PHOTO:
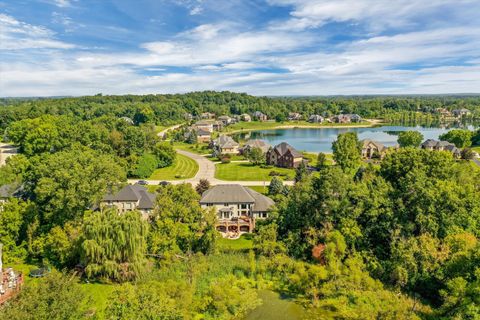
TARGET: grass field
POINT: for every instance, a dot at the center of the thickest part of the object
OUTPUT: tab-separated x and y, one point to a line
260	189
201	148
477	149
257	125
183	168
243	243
241	171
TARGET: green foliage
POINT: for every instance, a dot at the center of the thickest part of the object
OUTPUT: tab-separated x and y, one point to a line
265	241
57	297
62	247
275	187
165	154
202	186
460	138
114	245
301	172
321	161
255	156
410	139
146	165
347	151
12	215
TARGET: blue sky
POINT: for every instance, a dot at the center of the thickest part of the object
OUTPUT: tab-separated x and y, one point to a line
269	47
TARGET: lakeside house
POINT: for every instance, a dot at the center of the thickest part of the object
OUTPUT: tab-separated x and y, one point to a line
245	117
372	149
461	112
436	145
346	118
443	112
237	207
204	125
226	120
294	116
284	155
316	118
129	198
255	143
225	145
260	116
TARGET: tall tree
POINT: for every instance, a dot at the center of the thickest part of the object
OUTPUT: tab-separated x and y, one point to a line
255	156
347	151
202	186
410	139
460	138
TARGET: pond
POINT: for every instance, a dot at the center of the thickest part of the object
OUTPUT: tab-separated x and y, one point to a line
276	307
320	139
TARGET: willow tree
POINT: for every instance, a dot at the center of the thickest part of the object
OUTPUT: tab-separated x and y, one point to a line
114	245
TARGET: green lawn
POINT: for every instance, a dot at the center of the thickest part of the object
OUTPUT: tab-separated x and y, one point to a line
312	158
201	148
242	171
260	189
257	125
243	243
97	297
477	149
183	168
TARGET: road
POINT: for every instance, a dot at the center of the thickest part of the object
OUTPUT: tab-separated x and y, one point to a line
6	151
163	132
206	170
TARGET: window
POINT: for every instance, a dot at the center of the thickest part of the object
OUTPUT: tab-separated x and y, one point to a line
244	206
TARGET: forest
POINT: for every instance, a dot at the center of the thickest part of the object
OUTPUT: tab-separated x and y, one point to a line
398	239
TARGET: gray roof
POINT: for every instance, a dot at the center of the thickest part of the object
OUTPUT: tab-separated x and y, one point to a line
235	193
378	145
201	132
226	142
283	147
431	143
256	143
134	193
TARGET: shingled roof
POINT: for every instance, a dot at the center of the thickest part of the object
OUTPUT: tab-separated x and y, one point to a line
283	147
235	193
225	141
256	143
134	193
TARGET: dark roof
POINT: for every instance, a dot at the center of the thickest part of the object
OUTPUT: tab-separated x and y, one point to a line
283	147
235	193
134	193
262	203
256	143
201	132
226	142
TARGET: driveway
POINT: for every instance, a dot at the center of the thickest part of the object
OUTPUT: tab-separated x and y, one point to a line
6	151
206	170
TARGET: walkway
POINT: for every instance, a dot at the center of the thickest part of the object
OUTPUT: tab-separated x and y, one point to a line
206	170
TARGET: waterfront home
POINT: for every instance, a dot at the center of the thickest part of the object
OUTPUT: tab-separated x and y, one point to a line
259	116
225	145
284	155
372	149
255	143
436	145
461	112
346	118
294	116
443	112
237	207
245	117
315	118
226	120
129	198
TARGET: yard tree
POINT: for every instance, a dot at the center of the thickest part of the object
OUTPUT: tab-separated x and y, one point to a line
321	160
410	139
147	164
202	186
347	151
165	154
255	156
467	154
301	172
114	245
460	138
275	187
65	184
12	215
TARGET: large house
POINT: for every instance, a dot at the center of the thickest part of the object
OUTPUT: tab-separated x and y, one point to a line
226	120
204	125
245	117
259	116
294	116
461	112
207	115
203	136
237	207
436	145
129	198
316	118
284	155
225	144
255	143
346	118
372	149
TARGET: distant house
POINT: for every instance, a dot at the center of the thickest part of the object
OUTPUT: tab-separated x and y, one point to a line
461	112
207	115
237	207
346	118
226	120
443	112
259	116
255	143
188	116
203	136
436	145
225	145
217	125
129	198
245	117
294	116
315	118
372	149
284	155
204	125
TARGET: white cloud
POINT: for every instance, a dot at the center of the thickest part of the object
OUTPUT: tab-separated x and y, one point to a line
16	35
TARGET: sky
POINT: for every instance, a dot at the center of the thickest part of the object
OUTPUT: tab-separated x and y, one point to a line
261	47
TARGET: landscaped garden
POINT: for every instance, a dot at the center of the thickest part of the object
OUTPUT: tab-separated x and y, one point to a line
182	168
242	171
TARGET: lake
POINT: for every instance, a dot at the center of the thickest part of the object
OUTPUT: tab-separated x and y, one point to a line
320	139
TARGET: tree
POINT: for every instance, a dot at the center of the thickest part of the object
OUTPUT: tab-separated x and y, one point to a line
165	154
58	297
265	241
321	160
301	172
255	155
147	164
192	137
114	245
467	154
347	151
12	215
410	139
202	186
460	138
275	187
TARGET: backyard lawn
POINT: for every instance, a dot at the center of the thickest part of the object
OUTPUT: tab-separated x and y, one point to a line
183	168
201	148
242	171
241	244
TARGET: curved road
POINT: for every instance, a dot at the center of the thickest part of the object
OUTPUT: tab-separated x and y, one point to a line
206	170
